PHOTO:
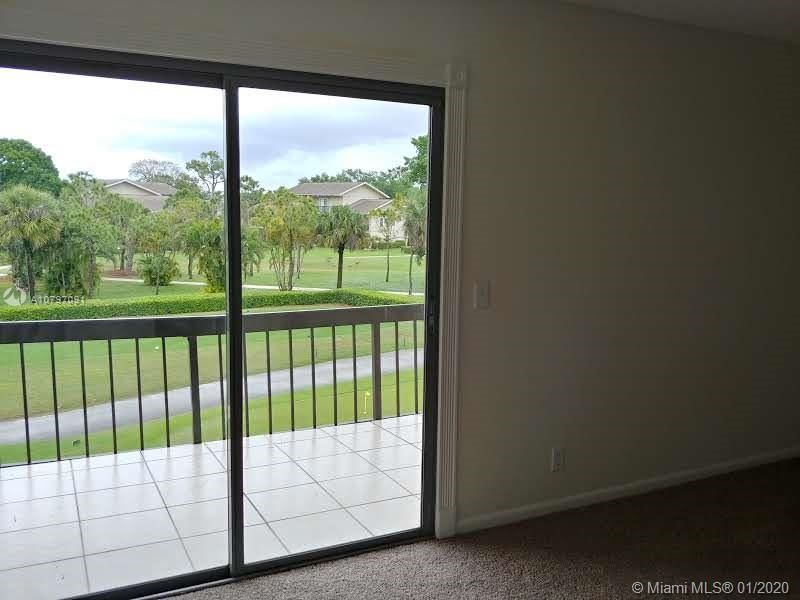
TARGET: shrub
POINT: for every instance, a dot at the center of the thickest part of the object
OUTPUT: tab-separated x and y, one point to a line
158	270
193	303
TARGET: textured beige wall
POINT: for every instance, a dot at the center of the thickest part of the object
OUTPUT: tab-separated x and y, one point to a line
632	191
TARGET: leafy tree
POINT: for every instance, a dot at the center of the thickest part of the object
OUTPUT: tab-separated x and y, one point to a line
23	163
156	171
190	211
415	216
389	216
416	167
72	259
209	170
211	257
250	193
342	228
253	251
28	223
289	223
156	239
122	214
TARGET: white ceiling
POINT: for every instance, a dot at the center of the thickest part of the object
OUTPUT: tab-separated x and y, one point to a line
778	19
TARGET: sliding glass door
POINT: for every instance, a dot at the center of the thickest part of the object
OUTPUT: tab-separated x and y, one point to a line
218	330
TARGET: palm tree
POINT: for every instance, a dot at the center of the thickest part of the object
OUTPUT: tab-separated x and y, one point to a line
415	217
27	223
341	227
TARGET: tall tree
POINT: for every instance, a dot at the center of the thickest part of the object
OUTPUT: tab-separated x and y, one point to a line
342	228
388	219
23	163
416	167
415	217
288	222
28	222
122	214
210	172
156	171
250	193
211	257
156	238
190	212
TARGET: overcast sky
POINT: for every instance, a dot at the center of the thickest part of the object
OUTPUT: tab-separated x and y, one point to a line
103	125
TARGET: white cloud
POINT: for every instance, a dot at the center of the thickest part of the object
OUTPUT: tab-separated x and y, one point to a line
102	125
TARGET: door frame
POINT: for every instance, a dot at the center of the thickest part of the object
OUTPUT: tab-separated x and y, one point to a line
447	124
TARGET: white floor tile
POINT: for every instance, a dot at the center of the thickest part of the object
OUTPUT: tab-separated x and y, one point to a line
394	457
174	451
41	486
349	428
118	501
109	477
313	448
194	489
254	441
319	531
46	468
294	436
393	423
207	517
40	545
37	513
292	502
367	440
259	479
185	466
361	489
334	467
410	433
409	477
389	516
106	460
257	456
136	565
211	550
123	531
50	581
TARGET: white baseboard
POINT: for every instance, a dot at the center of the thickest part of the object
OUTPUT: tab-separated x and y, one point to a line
641	486
445	522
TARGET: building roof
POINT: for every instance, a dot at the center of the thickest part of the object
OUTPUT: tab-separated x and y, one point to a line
366	205
331	188
156	188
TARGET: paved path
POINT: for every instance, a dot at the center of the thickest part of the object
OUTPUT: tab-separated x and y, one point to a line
127	410
253	286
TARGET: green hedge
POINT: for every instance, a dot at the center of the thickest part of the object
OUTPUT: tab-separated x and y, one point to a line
194	303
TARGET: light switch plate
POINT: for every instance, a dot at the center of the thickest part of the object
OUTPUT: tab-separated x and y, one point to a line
481	299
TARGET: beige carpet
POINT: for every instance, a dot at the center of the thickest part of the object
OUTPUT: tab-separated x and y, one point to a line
742	526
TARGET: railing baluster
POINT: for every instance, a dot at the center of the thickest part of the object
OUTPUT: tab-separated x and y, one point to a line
55	398
355	379
194	390
313	384
113	405
269	385
83	397
221	389
139	394
397	365
25	401
335	387
246	388
377	408
291	378
166	389
416	375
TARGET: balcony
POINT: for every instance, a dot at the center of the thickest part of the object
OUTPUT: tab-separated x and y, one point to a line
331	453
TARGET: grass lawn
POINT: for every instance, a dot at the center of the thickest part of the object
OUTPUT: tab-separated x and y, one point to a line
363	269
181	426
68	376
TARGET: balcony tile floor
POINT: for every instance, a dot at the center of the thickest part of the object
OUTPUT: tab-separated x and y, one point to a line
85	525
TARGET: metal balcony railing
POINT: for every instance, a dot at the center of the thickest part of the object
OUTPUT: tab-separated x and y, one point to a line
191	328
